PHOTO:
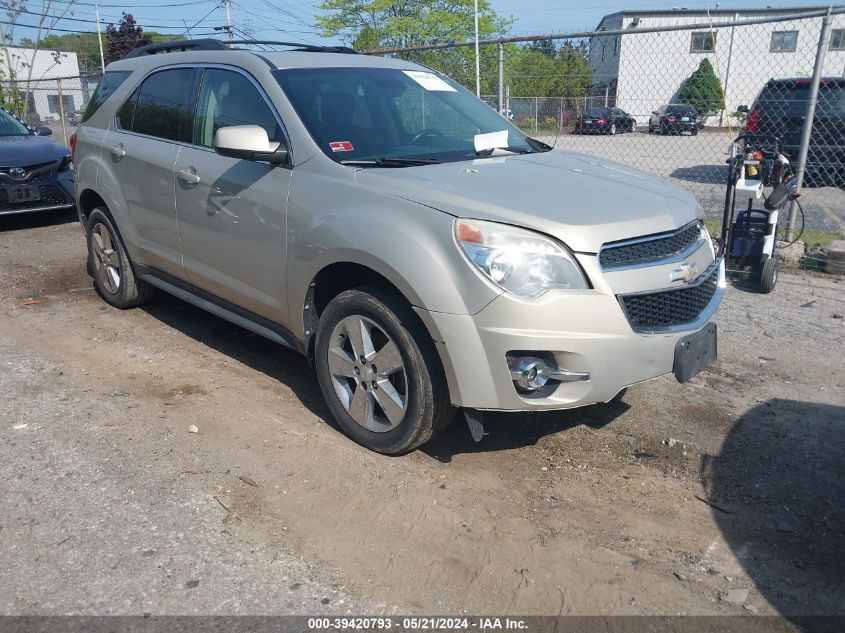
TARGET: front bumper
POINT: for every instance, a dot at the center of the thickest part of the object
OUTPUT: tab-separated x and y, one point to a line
56	194
585	330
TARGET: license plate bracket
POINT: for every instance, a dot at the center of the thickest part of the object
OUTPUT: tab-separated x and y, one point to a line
23	193
695	352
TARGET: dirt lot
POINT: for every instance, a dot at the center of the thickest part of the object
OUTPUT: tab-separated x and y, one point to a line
663	503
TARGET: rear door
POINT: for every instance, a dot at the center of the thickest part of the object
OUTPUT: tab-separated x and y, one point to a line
232	212
142	148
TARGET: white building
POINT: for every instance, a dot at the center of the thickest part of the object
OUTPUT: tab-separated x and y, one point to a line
642	71
53	73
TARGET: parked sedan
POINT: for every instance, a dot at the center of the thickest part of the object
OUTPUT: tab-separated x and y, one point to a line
605	121
675	118
36	173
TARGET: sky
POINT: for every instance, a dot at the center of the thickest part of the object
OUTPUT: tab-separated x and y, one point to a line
294	20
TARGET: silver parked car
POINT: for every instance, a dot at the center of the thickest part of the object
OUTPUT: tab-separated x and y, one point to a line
418	248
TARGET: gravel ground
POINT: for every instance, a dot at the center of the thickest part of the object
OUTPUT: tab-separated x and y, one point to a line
720	496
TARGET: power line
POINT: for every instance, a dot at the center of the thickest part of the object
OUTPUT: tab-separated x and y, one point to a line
94	21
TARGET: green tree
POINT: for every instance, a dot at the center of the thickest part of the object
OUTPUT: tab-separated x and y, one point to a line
374	24
533	73
703	90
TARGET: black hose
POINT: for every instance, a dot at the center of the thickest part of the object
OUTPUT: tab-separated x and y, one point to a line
801	232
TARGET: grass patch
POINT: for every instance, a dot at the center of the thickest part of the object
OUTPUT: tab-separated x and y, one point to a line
811	237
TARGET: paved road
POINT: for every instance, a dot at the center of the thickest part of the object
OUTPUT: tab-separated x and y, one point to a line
697	163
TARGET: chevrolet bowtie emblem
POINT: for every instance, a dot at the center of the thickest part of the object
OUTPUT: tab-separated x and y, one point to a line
686	273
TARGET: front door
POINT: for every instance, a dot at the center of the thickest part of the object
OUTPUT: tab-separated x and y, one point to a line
232	212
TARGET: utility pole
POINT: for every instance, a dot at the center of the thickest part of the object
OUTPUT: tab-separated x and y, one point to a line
477	61
100	40
228	5
809	116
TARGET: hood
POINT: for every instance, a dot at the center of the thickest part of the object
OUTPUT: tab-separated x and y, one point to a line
582	200
19	151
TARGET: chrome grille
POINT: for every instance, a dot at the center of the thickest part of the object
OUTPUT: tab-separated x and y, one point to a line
650	249
672	307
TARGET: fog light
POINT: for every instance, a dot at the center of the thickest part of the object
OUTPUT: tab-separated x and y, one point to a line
532	373
529	373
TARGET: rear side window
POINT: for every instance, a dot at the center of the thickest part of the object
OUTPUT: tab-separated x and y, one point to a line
162	106
107	85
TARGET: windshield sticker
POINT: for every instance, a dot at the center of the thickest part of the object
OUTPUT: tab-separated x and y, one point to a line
429	81
341	146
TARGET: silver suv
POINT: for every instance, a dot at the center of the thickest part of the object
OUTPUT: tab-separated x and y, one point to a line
417	248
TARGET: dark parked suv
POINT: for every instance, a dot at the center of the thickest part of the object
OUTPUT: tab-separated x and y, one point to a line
780	110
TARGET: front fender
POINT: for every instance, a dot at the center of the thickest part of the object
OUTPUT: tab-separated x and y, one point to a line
411	245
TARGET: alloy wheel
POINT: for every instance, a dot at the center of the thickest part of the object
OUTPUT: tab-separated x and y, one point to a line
368	374
107	264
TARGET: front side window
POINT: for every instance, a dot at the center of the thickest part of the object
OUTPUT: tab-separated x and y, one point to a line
373	113
228	98
837	40
784	41
162	106
10	125
703	42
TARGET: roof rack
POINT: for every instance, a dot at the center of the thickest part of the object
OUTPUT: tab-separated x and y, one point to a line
178	45
220	45
298	46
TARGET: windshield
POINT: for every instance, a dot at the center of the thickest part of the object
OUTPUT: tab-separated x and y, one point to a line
10	126
361	114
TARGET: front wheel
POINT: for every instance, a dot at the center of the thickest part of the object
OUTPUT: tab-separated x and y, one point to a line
379	372
769	275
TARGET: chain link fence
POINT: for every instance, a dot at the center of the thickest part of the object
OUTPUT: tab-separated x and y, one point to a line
668	91
56	103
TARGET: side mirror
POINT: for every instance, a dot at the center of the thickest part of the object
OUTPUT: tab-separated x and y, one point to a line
655	112
742	108
249	142
43	130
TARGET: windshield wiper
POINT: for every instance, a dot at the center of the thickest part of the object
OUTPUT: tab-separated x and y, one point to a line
512	150
399	161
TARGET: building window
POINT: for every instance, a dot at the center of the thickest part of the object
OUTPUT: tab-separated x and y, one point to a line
703	42
837	40
616	46
67	104
784	41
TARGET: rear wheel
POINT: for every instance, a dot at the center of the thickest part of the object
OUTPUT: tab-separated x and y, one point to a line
633	126
379	372
663	129
769	275
612	129
114	276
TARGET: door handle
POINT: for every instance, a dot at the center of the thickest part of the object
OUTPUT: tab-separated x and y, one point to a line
188	175
117	150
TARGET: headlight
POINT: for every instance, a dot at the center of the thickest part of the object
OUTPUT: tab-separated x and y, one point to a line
518	260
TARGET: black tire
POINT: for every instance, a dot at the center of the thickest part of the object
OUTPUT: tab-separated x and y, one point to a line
128	291
663	129
695	132
428	408
612	130
769	275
